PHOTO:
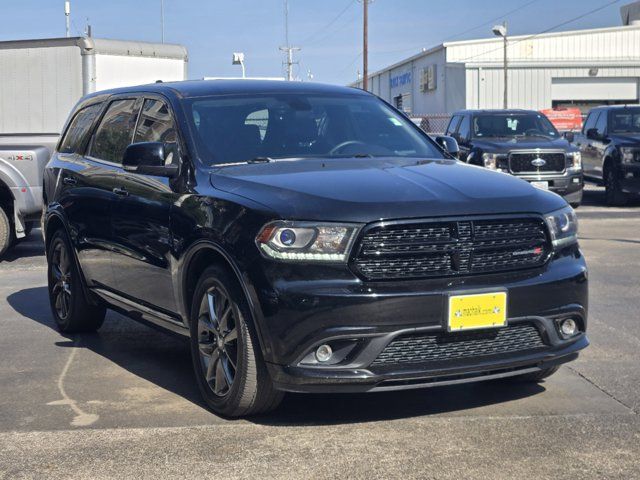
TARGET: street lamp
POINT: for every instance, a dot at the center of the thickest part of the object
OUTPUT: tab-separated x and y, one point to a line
501	31
238	59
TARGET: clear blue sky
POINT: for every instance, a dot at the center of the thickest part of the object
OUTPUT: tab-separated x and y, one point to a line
213	29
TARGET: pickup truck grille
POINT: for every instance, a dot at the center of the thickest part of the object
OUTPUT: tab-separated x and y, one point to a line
435	347
451	248
525	162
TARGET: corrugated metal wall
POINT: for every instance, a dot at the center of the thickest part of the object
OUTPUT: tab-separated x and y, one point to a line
39	86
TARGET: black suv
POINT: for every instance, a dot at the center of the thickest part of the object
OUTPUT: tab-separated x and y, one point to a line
610	147
306	238
523	143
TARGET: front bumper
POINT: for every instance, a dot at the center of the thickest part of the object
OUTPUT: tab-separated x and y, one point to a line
568	184
299	315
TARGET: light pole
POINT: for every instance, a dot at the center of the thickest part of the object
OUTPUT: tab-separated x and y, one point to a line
501	31
238	59
67	13
365	43
162	19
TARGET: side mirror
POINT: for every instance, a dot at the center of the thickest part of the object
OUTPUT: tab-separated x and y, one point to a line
449	145
148	158
569	136
593	134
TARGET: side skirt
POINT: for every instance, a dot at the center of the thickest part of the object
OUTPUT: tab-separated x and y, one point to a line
142	313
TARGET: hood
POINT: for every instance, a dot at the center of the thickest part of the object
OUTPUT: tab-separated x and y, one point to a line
506	144
365	190
626	139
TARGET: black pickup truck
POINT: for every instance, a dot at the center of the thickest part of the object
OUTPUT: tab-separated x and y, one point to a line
610	147
523	143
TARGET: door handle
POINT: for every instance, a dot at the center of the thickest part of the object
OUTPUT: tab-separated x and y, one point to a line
69	181
121	191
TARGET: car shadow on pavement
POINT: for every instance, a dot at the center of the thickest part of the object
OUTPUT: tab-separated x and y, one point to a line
165	361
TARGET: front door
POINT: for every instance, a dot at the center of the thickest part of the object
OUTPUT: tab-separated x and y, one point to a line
142	261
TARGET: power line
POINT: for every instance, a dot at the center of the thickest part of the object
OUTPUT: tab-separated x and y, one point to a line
324	29
490	22
566	22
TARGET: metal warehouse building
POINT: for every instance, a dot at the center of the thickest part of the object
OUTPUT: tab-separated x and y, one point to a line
581	68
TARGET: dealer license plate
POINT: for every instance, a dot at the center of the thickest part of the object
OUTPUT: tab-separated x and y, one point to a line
541	185
475	311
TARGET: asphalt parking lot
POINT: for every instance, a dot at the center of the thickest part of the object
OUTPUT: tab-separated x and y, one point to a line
123	403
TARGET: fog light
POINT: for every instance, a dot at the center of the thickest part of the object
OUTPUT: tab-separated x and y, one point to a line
569	327
323	353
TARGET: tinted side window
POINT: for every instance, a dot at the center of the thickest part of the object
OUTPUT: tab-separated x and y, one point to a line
601	125
453	124
465	128
156	123
79	128
115	131
590	122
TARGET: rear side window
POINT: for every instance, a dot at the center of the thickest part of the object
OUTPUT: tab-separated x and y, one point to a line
115	132
590	122
79	128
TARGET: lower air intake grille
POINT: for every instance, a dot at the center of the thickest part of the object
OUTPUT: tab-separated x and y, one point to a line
424	348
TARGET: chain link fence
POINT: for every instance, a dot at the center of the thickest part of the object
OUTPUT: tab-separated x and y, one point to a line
435	123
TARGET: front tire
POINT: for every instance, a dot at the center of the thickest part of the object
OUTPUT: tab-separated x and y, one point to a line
227	360
613	190
71	310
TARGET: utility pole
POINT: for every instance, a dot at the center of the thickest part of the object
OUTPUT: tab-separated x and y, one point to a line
162	18
365	43
501	31
67	13
288	49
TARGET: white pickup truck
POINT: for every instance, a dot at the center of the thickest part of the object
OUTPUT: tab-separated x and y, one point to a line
40	82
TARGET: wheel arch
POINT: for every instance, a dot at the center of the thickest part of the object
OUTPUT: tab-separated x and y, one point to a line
202	255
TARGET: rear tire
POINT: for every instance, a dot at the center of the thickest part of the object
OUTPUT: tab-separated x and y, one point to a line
613	190
535	377
7	234
228	364
71	310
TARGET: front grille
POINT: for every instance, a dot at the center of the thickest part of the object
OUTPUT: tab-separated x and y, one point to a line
525	162
425	348
447	248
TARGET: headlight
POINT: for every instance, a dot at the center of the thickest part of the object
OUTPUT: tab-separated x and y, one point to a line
490	160
574	160
306	241
629	155
563	227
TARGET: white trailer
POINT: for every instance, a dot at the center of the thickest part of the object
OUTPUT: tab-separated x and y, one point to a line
40	81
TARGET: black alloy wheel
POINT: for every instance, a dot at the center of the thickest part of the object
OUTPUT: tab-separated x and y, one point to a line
218	340
71	310
230	370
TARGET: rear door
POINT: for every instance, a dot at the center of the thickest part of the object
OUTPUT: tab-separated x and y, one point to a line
85	195
140	221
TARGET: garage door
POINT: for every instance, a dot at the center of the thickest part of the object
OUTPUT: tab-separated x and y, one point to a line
625	89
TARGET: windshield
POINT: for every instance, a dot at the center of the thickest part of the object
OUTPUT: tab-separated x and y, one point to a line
232	129
625	121
513	125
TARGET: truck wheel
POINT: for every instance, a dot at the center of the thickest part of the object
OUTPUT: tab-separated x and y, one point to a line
230	371
613	190
7	234
535	377
71	310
